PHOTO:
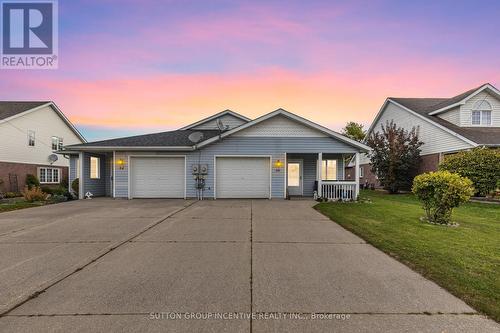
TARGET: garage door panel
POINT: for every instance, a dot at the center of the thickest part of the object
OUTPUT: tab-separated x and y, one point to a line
157	177
243	177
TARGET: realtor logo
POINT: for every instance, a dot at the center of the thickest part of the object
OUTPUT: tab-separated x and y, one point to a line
29	34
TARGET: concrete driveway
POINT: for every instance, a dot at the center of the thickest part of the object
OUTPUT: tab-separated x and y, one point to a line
175	265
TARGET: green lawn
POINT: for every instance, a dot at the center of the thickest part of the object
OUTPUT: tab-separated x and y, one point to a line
18	204
464	260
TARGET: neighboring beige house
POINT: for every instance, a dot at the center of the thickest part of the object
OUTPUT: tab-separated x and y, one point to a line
446	125
30	134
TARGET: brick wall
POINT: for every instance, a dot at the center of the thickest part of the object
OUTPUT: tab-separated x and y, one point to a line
21	170
427	163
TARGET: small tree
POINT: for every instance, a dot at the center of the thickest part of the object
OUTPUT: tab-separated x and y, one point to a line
32	181
395	156
440	192
481	165
354	131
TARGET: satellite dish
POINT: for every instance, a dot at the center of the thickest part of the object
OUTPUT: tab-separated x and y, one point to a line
195	137
221	126
53	158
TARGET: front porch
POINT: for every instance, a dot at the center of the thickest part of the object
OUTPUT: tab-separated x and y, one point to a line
321	175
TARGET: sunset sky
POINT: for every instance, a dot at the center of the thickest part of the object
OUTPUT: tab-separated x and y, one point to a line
128	67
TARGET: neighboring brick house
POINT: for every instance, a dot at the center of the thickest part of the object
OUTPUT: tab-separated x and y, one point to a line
30	134
446	125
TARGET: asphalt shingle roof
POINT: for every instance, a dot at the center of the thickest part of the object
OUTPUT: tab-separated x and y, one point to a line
424	106
163	139
9	109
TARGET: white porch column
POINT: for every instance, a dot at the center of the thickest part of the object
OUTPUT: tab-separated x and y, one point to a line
356	174
320	163
80	175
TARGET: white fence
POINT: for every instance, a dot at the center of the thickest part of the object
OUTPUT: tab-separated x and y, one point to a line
338	190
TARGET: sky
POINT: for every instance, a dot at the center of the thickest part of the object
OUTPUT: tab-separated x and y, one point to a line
129	67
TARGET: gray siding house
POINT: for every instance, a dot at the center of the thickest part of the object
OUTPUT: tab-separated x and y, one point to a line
223	156
446	125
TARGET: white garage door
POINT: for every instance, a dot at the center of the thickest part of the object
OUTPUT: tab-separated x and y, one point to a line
243	177
157	177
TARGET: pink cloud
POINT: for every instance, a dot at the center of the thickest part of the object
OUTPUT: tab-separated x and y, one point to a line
173	100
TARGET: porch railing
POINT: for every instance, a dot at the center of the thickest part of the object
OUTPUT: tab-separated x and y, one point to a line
338	190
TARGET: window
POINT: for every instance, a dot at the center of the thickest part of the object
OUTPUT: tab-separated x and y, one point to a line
57	143
95	164
31	138
49	175
329	170
476	117
361	172
481	113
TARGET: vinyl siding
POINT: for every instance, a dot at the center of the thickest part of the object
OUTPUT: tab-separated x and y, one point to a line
453	116
435	139
280	126
268	146
96	186
226	119
466	109
46	123
73	160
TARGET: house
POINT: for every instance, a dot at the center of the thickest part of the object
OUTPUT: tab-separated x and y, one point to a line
446	125
30	134
226	155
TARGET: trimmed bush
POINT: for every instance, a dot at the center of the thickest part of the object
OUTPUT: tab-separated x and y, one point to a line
59	190
34	194
31	181
440	192
481	165
75	186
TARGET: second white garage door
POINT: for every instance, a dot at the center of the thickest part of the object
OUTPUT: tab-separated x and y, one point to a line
157	177
243	177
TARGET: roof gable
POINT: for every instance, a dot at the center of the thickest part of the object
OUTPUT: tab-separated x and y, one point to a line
228	117
10	110
280	126
293	117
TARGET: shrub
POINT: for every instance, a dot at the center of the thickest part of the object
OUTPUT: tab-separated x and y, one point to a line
34	194
32	180
59	190
395	156
64	183
75	185
440	192
481	165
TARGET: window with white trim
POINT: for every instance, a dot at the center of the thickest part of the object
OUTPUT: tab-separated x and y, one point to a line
31	138
49	175
481	113
95	167
57	143
361	172
329	170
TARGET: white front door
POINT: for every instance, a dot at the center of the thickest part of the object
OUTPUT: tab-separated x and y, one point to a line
294	173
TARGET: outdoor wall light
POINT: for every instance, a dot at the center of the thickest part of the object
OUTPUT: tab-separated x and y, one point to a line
121	163
278	164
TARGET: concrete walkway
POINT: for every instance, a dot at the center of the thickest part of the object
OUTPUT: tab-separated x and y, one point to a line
174	265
